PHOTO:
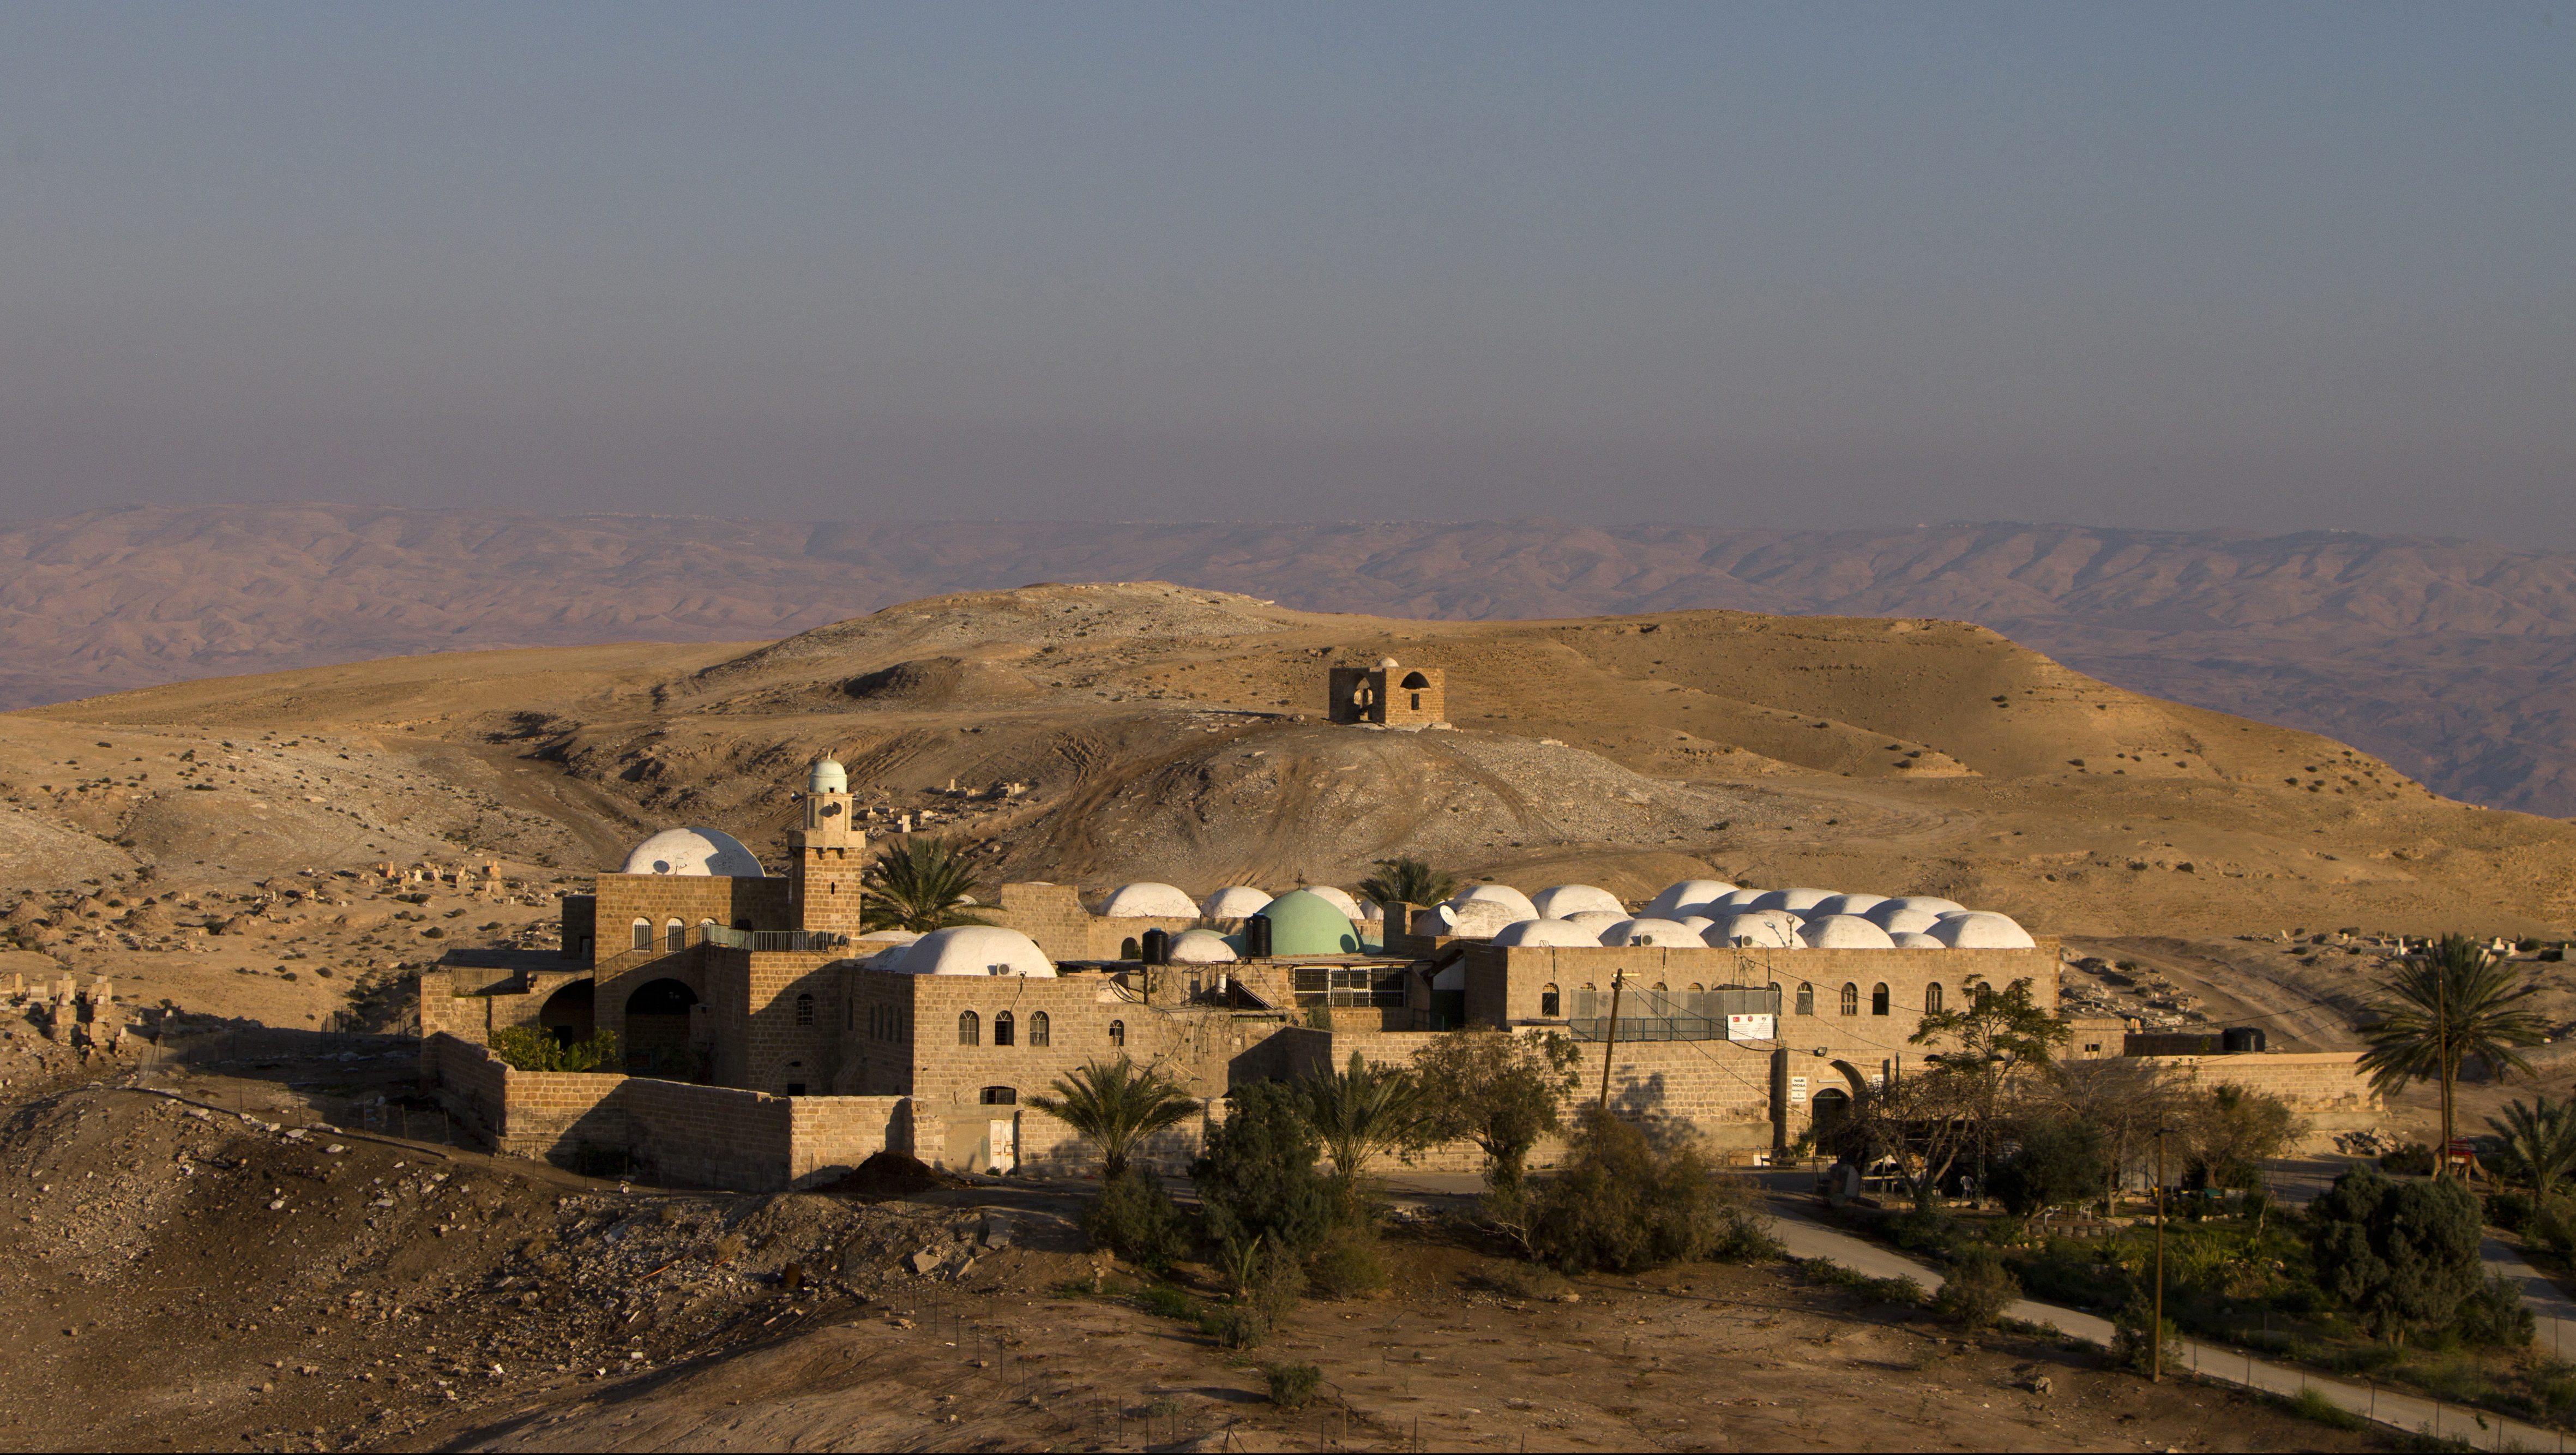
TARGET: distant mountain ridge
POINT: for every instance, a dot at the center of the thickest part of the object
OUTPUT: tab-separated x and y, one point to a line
2454	659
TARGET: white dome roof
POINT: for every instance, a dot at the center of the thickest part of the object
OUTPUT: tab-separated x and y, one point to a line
1798	901
1596	920
1561	934
975	950
1737	901
1860	904
1980	931
890	937
1480	917
1650	930
1148	901
1766	928
1843	932
1340	900
1372	911
1235	902
1695	922
1931	903
1502	894
1560	901
1915	940
1688	894
828	776
1202	947
698	851
1902	921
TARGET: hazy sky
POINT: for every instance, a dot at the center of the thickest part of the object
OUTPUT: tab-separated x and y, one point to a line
2268	266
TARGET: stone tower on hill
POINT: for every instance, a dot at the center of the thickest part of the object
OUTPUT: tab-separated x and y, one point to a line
1389	695
830	854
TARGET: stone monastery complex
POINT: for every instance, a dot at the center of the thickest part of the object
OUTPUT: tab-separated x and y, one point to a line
770	1040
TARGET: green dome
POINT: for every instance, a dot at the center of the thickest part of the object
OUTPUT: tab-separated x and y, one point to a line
1307	924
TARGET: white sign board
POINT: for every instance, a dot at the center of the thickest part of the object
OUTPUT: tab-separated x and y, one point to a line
1797	1088
1752	1027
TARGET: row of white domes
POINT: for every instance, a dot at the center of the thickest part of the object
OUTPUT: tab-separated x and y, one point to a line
1164	901
1712	912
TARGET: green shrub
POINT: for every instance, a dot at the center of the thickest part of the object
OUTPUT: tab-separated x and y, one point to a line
2403	1255
1978	1290
2312	1404
1902	1291
1347	1266
1624	1204
533	1048
2412	1160
1267	1284
1167	1302
2495	1315
2507	1210
1257	1179
1136	1219
1292	1386
2134	1335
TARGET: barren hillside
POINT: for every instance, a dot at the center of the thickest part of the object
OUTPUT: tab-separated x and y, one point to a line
2455	660
1160	731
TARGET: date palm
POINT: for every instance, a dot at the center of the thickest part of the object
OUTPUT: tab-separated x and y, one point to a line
1361	1113
2542	1139
919	884
2456	1004
1114	1106
1408	881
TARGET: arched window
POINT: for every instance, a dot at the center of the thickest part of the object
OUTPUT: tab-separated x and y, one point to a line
970	1031
1002	1028
804	1010
1041	1032
1932	999
643	934
796	1087
1981	992
674	935
1001	1096
1118	1033
1548	1002
1130	949
1851	998
1878	999
1806	998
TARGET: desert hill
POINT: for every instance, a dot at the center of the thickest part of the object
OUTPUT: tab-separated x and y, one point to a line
1095	733
2455	660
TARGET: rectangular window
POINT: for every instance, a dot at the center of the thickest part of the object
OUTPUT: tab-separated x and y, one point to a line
1346	985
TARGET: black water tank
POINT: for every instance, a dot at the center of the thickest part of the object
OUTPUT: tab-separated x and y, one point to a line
1256	937
2236	1040
1156	947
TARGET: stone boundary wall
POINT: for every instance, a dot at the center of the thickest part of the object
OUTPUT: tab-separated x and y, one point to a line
2326	1088
677	1132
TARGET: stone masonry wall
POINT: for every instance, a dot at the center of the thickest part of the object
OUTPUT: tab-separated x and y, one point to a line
658	899
2327	1089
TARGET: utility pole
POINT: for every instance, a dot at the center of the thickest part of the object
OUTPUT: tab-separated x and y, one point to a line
2156	1335
1610	1042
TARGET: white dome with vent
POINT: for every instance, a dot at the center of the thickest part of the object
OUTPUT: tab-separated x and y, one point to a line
1235	902
1148	901
1564	901
976	950
1930	904
1843	932
1689	894
694	851
1977	930
1202	947
1497	894
1555	933
1340	900
1860	904
1761	928
1650	930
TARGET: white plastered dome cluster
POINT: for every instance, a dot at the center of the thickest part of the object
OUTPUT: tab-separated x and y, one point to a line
1713	912
975	950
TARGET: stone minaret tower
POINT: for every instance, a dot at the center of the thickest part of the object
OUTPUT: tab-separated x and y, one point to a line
823	882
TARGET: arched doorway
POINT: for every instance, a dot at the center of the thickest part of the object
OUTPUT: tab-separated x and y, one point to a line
1830	1110
567	1014
657	1029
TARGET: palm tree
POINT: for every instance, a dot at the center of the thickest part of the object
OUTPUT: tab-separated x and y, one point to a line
2542	1139
919	885
1360	1113
1408	881
1116	1106
2456	1004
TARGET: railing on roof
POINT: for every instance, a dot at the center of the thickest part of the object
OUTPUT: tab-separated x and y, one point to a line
1727	1013
775	940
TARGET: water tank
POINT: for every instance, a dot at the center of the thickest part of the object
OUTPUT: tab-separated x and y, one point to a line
1256	937
2236	1040
1155	948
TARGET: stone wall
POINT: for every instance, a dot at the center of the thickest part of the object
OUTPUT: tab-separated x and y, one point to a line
765	1039
692	899
2327	1089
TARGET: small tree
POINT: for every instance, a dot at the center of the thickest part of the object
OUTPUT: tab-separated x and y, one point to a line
918	884
1257	1180
2456	1004
1625	1204
1115	1106
1362	1113
2060	1160
2401	1254
1408	881
2126	1097
1501	1090
2231	1132
1992	1037
1978	1290
2539	1143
